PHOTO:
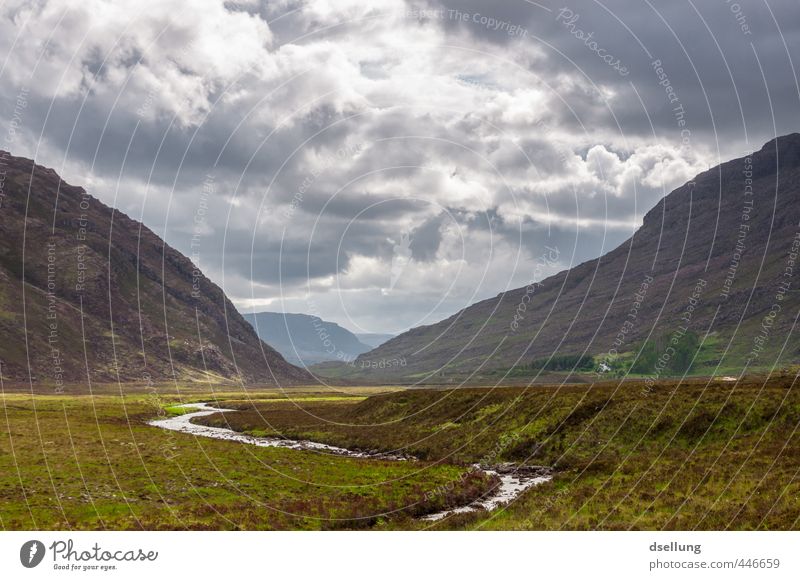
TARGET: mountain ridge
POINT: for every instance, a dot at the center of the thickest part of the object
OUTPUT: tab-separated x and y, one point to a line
690	234
86	292
306	339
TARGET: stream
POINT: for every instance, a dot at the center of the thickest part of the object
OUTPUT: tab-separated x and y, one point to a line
514	480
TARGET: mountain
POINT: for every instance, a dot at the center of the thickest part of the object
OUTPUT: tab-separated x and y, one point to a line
374	340
306	340
714	259
86	291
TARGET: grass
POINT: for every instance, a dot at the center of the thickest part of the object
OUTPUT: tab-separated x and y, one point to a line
178	410
92	462
690	455
697	454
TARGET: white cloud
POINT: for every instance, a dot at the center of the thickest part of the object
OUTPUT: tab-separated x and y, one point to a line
151	53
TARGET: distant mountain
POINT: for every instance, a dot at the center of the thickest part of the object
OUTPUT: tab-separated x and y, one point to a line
374	340
717	258
306	340
88	293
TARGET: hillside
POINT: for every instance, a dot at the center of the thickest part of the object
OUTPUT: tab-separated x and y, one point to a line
715	257
374	340
86	291
306	340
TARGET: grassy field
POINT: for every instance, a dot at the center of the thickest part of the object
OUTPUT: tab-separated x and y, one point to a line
91	462
699	455
672	456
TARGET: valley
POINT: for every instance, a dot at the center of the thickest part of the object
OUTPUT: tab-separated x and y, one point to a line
647	389
93	462
680	455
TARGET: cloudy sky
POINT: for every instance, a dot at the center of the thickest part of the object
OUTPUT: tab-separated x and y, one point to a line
384	164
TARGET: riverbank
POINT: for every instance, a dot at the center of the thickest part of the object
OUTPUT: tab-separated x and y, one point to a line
509	481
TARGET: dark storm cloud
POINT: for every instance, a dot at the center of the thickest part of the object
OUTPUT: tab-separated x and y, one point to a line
426	239
309	249
712	52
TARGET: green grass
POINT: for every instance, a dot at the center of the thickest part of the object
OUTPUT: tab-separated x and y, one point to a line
679	456
707	455
92	462
177	410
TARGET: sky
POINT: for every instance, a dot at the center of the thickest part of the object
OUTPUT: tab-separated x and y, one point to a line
386	164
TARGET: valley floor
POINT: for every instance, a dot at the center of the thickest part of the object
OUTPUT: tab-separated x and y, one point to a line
718	455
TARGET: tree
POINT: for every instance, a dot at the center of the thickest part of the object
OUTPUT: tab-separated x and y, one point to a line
686	347
645	362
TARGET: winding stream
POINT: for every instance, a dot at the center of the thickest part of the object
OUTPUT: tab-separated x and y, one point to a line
513	480
183	424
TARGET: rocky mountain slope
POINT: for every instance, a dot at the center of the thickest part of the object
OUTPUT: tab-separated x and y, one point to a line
87	292
716	257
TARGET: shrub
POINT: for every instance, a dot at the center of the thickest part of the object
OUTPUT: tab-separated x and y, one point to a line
566	362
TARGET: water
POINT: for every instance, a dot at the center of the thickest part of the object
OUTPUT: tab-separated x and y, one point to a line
511	486
513	481
183	424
